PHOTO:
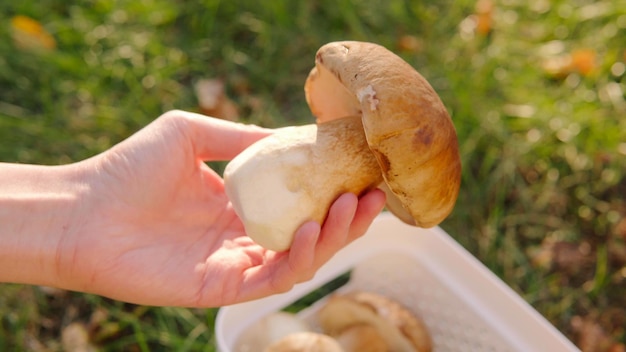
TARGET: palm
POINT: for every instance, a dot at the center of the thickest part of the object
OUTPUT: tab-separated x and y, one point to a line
169	235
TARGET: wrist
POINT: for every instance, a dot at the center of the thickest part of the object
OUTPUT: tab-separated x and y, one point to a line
40	213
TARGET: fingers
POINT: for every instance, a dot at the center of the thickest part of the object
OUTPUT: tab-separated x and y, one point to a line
336	228
302	252
314	245
370	205
299	263
348	219
215	139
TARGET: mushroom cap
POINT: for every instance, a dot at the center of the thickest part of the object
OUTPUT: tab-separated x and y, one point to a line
401	330
406	124
305	342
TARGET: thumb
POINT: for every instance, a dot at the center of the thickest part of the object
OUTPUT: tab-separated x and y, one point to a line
215	139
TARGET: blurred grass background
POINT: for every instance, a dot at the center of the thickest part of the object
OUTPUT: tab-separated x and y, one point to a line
536	90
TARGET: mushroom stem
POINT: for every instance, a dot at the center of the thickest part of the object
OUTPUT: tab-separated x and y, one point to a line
294	175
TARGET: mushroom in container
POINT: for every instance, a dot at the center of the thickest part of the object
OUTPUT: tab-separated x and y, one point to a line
371	319
379	124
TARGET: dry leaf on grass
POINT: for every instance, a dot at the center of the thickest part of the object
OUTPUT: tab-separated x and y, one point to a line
75	338
410	43
566	256
620	229
213	101
591	337
29	34
484	16
581	61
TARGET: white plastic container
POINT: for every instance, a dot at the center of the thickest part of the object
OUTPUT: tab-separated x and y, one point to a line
464	305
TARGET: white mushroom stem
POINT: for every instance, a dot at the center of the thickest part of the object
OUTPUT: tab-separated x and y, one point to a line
294	175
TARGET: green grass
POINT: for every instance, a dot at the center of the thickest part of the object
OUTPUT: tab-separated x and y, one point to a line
542	202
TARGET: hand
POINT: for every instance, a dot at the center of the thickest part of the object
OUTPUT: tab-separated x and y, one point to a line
158	229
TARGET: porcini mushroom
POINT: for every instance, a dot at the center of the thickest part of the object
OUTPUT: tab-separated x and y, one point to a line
401	330
377	119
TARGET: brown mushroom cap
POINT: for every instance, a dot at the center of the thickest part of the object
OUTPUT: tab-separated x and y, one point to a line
401	330
407	126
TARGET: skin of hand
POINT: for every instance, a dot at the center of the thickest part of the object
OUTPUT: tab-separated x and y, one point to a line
148	222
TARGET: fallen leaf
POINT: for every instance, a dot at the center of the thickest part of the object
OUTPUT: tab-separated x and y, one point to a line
581	61
584	61
75	338
617	251
620	229
591	337
213	101
618	347
557	66
484	16
29	34
565	256
53	291
100	327
410	43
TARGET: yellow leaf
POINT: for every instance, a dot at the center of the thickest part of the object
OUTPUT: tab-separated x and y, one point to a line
29	34
484	16
584	61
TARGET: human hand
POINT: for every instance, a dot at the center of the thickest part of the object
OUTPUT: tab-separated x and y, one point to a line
158	228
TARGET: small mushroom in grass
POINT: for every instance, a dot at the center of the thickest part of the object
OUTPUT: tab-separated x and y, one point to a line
402	135
401	330
305	342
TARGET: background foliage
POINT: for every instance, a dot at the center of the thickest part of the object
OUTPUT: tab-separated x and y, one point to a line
535	88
